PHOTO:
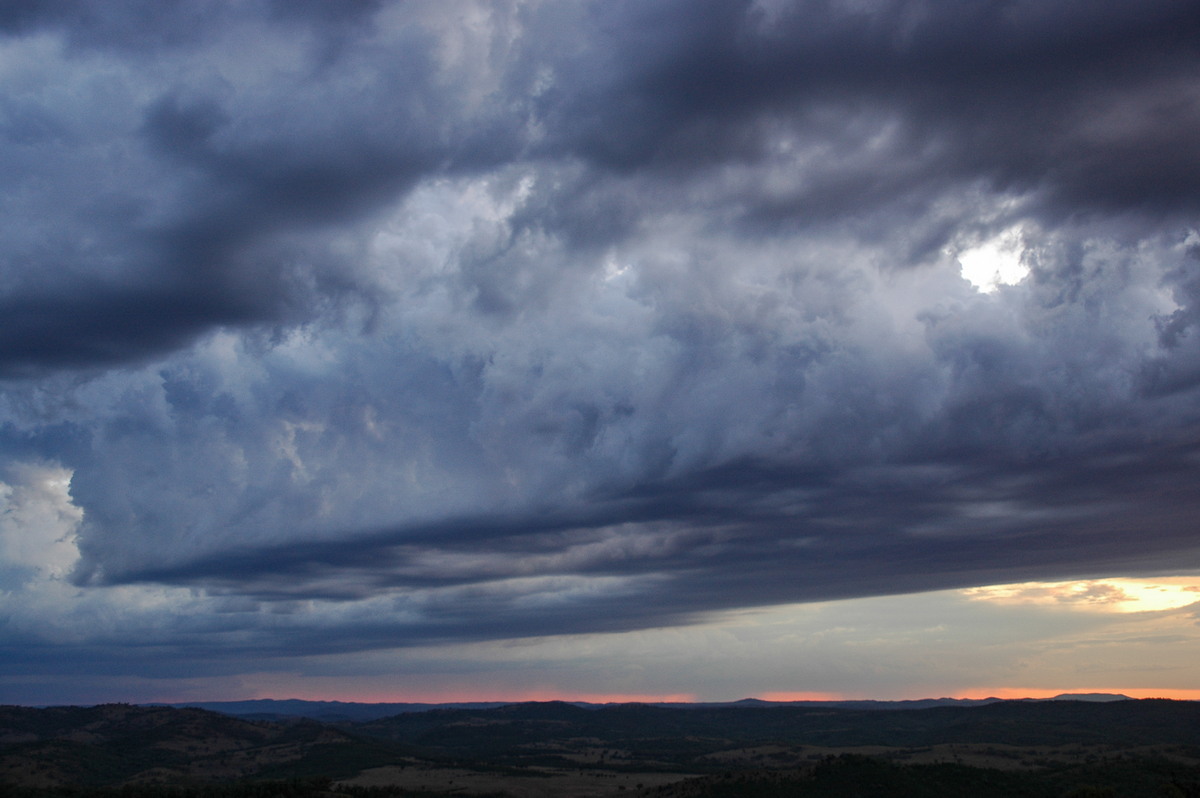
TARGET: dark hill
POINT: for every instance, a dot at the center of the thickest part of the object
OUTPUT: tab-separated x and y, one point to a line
116	745
510	729
858	776
119	743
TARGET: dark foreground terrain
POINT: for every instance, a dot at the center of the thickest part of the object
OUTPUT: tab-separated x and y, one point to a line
1006	748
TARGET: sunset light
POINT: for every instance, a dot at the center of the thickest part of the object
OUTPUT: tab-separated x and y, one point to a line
1103	595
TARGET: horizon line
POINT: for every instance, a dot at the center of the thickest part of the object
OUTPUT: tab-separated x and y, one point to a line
1002	694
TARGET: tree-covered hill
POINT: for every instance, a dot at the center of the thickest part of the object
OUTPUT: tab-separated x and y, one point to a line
119	743
999	744
1117	723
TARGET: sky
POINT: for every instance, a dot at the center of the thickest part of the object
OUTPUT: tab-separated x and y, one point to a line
603	350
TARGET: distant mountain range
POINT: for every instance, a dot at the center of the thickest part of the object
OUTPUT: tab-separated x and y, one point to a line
323	711
355	712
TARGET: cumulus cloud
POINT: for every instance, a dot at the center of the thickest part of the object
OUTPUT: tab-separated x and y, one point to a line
419	322
38	522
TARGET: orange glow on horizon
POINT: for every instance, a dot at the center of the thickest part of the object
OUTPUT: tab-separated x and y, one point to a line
454	697
325	691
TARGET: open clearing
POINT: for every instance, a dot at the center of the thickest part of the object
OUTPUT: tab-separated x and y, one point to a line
549	783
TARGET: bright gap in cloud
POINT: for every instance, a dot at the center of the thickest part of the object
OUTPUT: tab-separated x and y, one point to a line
1107	595
995	262
38	522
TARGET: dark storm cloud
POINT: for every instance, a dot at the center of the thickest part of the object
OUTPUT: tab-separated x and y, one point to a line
470	321
1107	93
95	331
209	198
895	106
774	534
139	26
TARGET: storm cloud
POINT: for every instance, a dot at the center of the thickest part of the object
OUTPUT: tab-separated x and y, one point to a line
355	326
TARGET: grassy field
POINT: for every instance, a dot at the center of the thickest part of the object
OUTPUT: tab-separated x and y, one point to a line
535	783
